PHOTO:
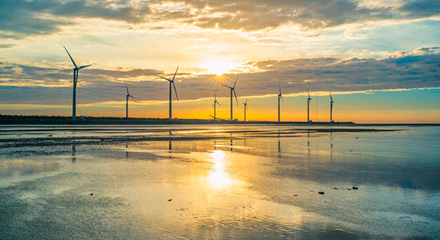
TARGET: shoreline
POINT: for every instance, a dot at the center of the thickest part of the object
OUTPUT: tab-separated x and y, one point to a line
58	120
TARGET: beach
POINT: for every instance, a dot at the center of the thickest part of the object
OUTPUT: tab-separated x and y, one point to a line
219	182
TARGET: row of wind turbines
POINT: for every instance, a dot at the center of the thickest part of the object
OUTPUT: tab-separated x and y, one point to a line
172	86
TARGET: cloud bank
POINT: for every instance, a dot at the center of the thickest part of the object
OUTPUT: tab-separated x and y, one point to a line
22	18
406	70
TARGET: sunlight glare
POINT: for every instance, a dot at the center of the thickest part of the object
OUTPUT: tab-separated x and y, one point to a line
218	66
218	178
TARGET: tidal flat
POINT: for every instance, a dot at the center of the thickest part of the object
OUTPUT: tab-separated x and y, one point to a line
219	182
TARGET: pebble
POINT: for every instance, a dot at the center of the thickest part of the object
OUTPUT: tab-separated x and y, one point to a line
322	193
169	200
91	194
355	188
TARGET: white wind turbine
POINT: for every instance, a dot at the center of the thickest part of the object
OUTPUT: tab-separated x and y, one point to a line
233	93
280	97
245	108
172	85
126	100
215	106
308	106
331	108
75	81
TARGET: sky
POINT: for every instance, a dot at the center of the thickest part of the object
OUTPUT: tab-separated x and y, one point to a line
379	58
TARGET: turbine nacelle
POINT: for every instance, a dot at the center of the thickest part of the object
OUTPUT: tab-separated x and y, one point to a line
171	81
280	95
76	68
233	88
128	93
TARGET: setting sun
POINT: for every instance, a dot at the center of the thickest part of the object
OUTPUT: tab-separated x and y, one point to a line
218	66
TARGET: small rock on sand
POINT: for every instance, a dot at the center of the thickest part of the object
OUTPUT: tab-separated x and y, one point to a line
322	193
355	188
91	194
169	200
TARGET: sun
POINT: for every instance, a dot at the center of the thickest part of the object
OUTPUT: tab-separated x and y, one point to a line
218	66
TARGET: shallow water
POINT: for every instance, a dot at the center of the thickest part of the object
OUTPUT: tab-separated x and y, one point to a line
218	182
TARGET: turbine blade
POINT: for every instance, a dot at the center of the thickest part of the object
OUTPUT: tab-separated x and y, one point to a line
130	96
235	94
236	81
226	86
126	88
169	80
175	90
74	64
86	66
279	86
218	103
281	96
174	76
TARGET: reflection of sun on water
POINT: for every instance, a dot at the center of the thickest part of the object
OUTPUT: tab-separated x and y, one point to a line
218	178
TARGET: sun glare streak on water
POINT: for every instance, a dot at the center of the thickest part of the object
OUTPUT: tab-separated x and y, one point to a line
219	178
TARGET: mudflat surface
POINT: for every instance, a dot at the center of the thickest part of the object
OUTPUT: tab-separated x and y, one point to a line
219	182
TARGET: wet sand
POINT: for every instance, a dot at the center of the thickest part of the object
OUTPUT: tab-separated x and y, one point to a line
219	182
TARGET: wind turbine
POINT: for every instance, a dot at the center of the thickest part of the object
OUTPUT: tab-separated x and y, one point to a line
75	81
245	108
232	95
126	100
280	97
215	106
331	108
172	85
308	106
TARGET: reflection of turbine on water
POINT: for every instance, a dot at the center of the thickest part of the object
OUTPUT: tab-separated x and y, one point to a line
170	144
244	138
308	144
232	143
126	151
331	146
219	178
331	141
279	144
73	153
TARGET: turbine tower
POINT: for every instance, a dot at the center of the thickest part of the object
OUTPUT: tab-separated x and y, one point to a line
331	108
280	97
215	106
126	100
172	85
245	108
308	106
75	81
233	93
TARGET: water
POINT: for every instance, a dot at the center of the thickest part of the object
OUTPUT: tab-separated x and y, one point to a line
218	182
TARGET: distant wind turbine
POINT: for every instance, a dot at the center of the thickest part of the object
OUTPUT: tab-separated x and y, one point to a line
126	100
245	108
308	106
233	93
215	106
280	97
331	107
75	81
172	85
